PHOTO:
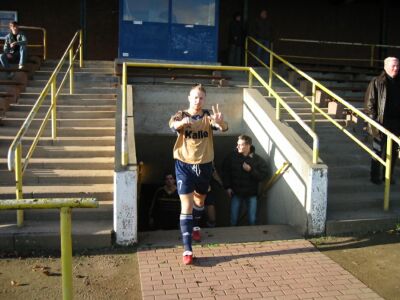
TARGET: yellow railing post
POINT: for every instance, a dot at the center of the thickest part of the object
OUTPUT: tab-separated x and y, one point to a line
18	183
271	66
250	79
80	49
71	71
44	44
372	55
66	252
314	89
246	49
388	173
278	109
54	109
124	151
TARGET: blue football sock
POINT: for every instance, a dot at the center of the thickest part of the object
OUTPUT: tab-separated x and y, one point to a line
186	222
198	212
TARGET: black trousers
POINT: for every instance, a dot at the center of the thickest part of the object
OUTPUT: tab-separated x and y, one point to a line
379	147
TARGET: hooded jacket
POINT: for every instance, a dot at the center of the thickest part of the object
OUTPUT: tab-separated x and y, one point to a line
244	183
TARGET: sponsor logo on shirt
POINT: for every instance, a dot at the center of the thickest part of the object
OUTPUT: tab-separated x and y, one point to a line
195	135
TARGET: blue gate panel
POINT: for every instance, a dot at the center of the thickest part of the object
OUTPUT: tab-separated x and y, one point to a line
182	30
192	43
145	41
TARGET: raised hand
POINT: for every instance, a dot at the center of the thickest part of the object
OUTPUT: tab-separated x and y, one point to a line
217	116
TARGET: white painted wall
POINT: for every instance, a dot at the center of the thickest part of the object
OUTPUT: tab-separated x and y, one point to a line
299	198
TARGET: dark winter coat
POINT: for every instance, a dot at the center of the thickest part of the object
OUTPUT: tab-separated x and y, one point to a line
241	182
375	101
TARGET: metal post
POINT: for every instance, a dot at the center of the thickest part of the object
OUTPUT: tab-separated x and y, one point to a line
250	78
54	109
388	171
71	71
44	44
278	109
246	48
271	66
314	89
80	49
372	55
66	252
18	183
124	144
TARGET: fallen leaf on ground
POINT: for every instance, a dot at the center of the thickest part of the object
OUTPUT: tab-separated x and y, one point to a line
14	283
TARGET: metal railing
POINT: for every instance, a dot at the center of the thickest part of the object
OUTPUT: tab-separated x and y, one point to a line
371	60
252	73
314	109
65	206
44	38
14	158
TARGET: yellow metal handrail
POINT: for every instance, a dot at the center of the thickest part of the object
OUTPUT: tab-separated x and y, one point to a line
44	38
314	108
15	150
65	206
252	73
371	59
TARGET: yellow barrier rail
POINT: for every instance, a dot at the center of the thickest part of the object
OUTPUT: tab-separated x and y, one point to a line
372	47
14	158
43	45
252	73
314	109
65	206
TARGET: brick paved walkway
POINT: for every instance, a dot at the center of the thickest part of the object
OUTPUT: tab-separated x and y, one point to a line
284	269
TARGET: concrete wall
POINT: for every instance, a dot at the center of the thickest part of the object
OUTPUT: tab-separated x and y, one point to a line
164	101
299	198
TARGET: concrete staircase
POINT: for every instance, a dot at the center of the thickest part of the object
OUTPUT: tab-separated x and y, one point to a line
354	203
80	163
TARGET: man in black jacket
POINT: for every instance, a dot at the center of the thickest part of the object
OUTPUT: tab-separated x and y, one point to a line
382	103
242	171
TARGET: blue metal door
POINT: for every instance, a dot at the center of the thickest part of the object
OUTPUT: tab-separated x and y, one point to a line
183	30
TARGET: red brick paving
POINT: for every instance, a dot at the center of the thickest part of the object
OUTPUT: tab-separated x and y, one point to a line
292	269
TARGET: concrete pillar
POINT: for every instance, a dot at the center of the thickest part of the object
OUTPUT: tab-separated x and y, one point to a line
125	206
316	204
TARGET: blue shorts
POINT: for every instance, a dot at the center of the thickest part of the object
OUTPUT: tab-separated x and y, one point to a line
192	178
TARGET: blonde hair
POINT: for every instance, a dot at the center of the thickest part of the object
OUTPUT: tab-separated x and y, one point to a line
198	86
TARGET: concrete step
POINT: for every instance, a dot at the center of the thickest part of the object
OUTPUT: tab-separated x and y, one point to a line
45	235
65	151
46	177
86	63
102	213
68	96
72	102
81	122
69	163
14	108
343	171
99	191
82	90
67	141
62	131
361	220
69	114
77	84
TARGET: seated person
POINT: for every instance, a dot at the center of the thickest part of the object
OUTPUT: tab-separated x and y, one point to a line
15	50
165	207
